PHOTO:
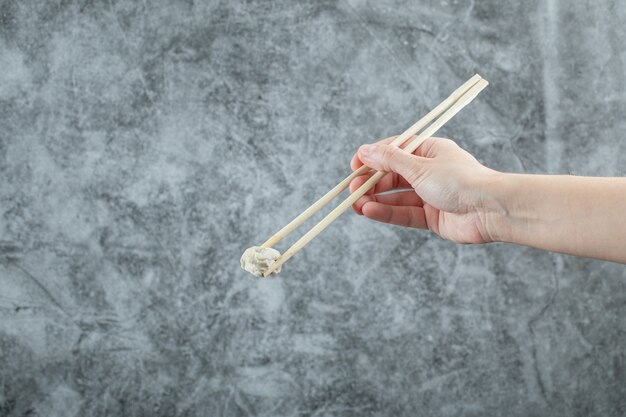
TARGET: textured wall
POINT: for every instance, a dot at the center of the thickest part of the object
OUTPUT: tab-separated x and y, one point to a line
145	144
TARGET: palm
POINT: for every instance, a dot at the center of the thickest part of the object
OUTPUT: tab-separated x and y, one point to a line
457	227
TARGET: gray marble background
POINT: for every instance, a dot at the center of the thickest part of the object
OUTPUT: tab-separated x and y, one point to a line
145	144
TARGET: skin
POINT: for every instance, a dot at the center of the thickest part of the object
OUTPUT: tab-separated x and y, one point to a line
442	188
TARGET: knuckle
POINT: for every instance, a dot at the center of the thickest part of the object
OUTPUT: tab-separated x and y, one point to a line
415	174
388	154
388	151
449	143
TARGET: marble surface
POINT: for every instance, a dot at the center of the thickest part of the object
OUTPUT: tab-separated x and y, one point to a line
145	144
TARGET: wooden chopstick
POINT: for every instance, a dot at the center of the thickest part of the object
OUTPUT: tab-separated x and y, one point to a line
463	101
329	196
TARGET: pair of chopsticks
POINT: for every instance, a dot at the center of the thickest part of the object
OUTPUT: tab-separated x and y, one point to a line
447	109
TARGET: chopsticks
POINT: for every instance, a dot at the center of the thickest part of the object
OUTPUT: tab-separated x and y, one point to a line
460	98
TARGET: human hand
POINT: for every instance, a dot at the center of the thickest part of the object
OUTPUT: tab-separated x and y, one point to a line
442	189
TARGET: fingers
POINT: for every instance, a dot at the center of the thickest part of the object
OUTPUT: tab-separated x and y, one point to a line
405	198
358	205
389	182
392	159
399	215
356	163
432	147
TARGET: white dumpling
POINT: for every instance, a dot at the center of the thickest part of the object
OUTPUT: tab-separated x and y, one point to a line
258	259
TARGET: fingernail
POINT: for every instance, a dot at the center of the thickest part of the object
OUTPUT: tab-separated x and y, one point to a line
368	150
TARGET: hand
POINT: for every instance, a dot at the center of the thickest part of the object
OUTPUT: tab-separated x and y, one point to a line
443	189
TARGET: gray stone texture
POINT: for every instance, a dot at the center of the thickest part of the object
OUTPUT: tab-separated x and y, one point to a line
145	144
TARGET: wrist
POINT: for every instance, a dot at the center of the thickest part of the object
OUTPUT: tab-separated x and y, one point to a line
498	201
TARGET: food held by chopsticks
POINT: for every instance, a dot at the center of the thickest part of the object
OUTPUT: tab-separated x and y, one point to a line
258	259
264	260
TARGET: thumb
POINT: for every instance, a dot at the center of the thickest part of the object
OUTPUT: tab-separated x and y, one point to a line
389	158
